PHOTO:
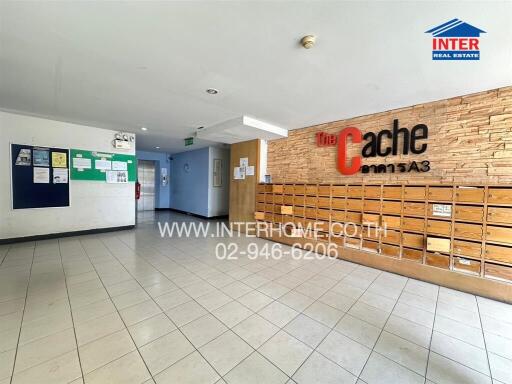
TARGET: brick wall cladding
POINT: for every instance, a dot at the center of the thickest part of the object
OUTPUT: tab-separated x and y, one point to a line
470	141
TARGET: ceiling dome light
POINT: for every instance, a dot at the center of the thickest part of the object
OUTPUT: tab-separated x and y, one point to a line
144	128
157	147
212	91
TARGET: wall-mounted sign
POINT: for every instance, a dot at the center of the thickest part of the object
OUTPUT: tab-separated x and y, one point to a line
41	157
442	210
92	165
399	141
189	141
217	172
455	40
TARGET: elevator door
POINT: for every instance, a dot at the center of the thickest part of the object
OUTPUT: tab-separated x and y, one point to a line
146	175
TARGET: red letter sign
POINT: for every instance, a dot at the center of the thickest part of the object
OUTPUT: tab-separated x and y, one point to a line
342	151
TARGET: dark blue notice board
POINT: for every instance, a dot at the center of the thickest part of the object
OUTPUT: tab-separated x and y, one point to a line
26	193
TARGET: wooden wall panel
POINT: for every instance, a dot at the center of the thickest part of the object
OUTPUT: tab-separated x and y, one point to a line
242	193
425	225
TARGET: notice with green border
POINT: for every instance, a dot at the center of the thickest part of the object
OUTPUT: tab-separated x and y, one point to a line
92	165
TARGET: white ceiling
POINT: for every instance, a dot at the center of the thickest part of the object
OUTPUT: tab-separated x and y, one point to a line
124	65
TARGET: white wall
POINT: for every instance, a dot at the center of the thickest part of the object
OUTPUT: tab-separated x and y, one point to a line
263	160
93	204
218	197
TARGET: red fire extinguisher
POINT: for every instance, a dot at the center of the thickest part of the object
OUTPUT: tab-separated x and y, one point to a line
137	190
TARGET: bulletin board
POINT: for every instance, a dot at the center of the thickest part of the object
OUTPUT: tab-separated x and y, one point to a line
39	177
92	165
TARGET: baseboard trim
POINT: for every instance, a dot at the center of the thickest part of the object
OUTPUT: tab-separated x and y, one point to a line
49	236
193	214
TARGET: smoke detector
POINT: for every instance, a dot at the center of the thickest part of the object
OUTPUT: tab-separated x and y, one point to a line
308	41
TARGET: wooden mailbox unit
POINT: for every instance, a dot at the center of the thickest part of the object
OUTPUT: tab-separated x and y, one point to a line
454	235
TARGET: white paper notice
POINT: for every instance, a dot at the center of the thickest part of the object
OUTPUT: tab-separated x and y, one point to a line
249	171
103	164
60	176
443	210
41	175
119	166
239	173
244	162
81	163
117	176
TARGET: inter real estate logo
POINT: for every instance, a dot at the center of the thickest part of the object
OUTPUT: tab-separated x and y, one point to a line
455	40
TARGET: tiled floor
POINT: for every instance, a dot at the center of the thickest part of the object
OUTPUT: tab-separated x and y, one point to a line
131	307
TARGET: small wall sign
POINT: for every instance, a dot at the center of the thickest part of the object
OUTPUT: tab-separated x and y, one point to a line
442	210
400	141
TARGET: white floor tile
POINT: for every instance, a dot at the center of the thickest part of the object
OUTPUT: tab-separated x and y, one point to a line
443	370
60	370
165	351
102	351
203	330
255	330
98	328
214	300
403	352
128	369
372	315
346	352
286	352
151	329
7	363
232	313
324	313
256	370
278	314
225	352
380	370
255	300
307	330
296	300
319	370
501	368
185	313
44	349
461	352
193	369
358	330
409	330
139	312
413	314
337	300
453	328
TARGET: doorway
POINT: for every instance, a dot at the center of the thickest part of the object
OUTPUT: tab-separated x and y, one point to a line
146	176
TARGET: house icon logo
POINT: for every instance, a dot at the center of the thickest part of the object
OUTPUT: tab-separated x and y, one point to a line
455	40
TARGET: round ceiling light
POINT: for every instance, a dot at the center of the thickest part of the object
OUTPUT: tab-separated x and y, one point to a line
157	147
144	128
212	91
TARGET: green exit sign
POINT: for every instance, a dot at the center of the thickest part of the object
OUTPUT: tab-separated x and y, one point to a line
189	141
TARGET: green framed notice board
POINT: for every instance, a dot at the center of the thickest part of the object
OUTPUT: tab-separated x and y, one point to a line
94	165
